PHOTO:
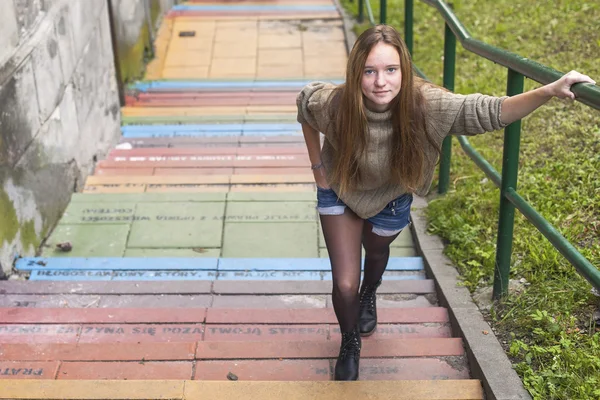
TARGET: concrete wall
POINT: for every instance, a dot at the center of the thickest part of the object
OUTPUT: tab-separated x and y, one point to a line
133	34
59	111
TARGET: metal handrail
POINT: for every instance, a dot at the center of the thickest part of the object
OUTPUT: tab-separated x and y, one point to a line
518	68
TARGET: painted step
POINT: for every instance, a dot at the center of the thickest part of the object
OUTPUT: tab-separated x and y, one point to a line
227	316
200	264
214	85
227	350
198	171
196	151
210	99
199	119
127	111
247	129
245	370
187	389
218	141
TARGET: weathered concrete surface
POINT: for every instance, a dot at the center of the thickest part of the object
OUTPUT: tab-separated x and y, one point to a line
132	32
59	112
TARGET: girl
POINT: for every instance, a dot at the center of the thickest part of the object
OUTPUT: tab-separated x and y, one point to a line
383	132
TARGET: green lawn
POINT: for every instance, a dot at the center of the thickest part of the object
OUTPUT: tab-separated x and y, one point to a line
550	333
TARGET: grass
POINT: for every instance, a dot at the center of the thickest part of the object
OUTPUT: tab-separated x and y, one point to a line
549	330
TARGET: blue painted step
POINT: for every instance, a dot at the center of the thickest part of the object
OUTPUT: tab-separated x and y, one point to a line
196	264
249	129
195	85
279	7
177	275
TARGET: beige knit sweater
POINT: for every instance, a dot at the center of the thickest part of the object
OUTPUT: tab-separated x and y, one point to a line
447	113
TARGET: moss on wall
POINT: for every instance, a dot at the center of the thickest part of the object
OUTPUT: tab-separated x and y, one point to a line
28	236
132	58
8	216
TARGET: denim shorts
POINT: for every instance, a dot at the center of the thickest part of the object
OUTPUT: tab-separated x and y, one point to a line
390	221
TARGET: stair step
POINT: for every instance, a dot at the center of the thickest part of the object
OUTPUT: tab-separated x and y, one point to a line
212	316
245	370
184	389
204	264
224	350
217	141
225	85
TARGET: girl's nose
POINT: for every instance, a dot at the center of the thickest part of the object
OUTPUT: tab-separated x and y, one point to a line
379	80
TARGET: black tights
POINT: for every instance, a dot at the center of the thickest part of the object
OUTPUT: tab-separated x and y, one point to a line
344	235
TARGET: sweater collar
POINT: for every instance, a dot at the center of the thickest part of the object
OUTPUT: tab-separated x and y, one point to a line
373	116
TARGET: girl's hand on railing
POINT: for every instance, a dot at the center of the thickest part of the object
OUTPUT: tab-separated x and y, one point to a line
562	87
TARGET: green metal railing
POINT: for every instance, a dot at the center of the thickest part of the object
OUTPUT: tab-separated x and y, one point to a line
518	67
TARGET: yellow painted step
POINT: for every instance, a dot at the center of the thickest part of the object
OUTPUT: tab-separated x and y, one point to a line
195	111
196	390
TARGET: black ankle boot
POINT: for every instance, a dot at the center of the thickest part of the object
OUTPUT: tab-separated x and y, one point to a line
367	321
346	367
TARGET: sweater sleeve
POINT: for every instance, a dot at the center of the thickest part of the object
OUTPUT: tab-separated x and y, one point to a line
457	114
313	105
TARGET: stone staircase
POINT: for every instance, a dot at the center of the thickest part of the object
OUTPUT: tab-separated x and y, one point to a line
195	263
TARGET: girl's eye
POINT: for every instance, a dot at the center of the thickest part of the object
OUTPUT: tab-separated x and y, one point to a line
369	72
392	69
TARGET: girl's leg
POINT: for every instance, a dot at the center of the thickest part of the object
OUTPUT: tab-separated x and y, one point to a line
377	254
343	239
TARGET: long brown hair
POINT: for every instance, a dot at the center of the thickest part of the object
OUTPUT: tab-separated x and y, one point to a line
410	139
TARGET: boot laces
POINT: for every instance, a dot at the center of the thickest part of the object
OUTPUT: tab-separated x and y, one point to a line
367	297
350	345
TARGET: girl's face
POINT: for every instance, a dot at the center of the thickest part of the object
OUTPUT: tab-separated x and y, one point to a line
381	77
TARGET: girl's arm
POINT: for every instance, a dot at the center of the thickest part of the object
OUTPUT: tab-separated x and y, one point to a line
521	105
313	145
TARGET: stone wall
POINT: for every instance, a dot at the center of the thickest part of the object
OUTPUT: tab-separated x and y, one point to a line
59	112
133	34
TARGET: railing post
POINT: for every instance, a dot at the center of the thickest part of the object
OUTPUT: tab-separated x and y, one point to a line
408	24
382	11
510	170
449	71
361	11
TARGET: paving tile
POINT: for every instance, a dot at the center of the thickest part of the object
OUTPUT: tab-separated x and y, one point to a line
184	59
195	252
234	49
155	301
280	71
126	333
125	370
320	315
101	315
265	332
247	35
410	369
191	72
252	302
285	57
266	239
99	352
189	225
329	49
28	370
88	240
271	212
264	370
98	213
330	349
232	67
274	41
27	333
